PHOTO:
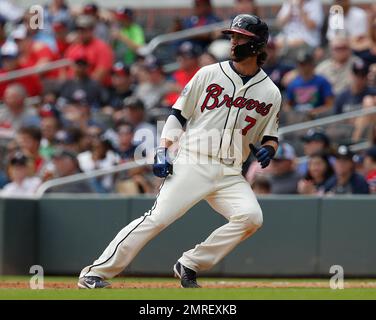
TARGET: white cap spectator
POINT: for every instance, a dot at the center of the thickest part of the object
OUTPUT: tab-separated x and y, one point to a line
285	152
19	33
9	49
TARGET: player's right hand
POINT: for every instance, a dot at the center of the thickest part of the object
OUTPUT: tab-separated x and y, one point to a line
162	165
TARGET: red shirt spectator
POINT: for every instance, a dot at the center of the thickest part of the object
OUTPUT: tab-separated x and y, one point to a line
33	53
9	58
61	30
188	55
97	52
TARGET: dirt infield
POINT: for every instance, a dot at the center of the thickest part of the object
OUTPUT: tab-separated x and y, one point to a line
205	284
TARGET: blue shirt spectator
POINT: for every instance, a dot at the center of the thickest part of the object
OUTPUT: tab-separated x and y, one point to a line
309	93
305	94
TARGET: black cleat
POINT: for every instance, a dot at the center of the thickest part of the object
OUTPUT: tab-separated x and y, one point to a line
92	282
187	276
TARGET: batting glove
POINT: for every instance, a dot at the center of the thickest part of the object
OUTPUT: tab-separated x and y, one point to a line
162	165
263	155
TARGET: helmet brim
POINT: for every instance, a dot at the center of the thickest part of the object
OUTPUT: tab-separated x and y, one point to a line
238	30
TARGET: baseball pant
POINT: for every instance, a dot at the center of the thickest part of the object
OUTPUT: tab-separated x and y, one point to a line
226	191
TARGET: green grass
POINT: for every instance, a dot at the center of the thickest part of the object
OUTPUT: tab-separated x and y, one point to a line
185	294
190	294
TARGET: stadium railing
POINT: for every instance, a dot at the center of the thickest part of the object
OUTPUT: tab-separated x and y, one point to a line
48	66
326	120
132	165
180	35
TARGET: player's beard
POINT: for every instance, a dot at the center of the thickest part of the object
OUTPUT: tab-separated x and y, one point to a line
235	58
242	53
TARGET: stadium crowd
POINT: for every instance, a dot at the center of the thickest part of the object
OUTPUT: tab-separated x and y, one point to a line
94	113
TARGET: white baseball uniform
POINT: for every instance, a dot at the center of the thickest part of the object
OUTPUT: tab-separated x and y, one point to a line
224	116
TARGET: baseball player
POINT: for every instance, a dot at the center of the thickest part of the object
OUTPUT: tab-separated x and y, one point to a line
221	115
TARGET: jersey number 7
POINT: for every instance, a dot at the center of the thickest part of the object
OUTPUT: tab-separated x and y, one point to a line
251	122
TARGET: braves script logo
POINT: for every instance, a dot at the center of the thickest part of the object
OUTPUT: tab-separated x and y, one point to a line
213	100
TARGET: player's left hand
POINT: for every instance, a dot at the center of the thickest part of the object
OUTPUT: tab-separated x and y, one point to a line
264	155
162	165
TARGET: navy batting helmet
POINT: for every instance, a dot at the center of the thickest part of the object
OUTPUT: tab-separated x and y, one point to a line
253	27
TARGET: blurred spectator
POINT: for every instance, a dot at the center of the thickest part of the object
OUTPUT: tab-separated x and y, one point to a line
300	21
61	31
153	91
370	168
372	75
274	66
89	136
66	164
126	148
245	6
337	68
90	46
4	180
28	139
10	62
363	124
188	59
50	125
206	59
56	11
351	99
11	148
261	185
101	156
319	172
69	139
14	113
346	180
102	30
128	37
44	37
121	86
3	35
354	23
132	181
314	141
309	94
176	25
21	184
188	55
33	52
284	178
11	11
144	132
203	15
367	50
82	85
78	113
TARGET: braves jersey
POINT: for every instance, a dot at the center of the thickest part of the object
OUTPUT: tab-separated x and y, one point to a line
224	115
